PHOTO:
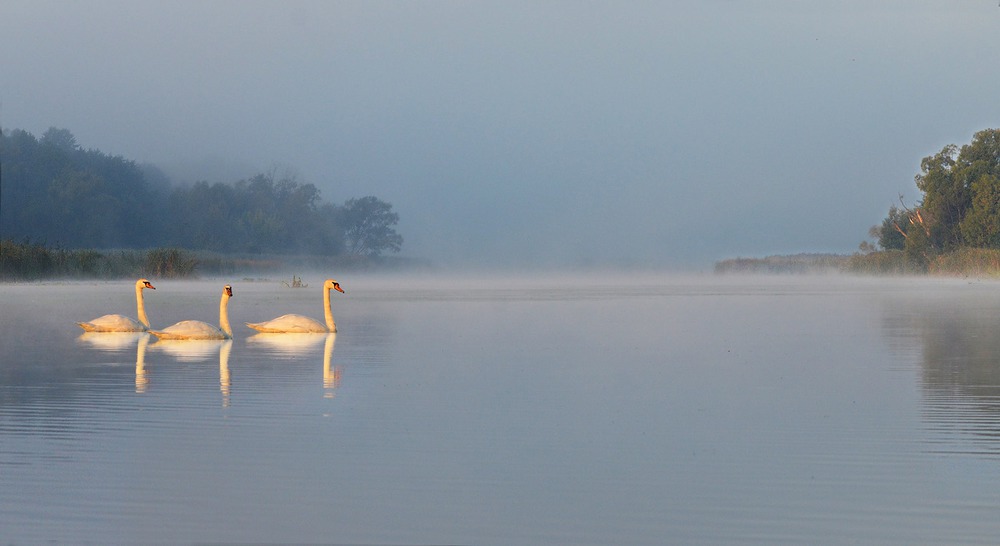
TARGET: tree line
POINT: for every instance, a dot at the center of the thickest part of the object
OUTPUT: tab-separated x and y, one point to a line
959	208
54	191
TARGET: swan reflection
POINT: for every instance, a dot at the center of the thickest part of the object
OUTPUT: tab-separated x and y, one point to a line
112	341
331	375
189	350
197	350
224	382
298	345
115	342
292	345
141	382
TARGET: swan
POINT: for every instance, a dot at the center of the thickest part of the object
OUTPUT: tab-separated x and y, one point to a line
298	324
121	323
196	329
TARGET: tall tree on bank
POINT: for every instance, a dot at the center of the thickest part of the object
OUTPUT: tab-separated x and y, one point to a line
979	168
368	225
960	206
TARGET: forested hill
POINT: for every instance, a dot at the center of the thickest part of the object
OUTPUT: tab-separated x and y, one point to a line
55	192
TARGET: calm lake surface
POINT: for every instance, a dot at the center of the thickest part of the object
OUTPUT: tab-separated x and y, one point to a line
578	410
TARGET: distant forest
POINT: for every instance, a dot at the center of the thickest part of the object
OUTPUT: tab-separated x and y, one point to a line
55	193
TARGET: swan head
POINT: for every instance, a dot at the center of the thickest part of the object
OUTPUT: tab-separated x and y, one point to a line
331	284
227	291
143	283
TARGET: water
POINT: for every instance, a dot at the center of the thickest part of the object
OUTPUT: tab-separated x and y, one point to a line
614	410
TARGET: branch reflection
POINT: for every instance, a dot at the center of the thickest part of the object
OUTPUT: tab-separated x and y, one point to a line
959	355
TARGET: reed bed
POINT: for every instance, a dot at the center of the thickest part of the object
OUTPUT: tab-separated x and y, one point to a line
965	262
968	262
31	261
886	262
26	260
793	264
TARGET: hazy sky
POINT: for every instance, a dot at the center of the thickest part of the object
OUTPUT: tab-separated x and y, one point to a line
665	133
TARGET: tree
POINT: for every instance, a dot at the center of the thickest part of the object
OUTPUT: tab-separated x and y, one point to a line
978	166
88	214
891	235
367	224
981	225
946	198
202	218
60	138
961	201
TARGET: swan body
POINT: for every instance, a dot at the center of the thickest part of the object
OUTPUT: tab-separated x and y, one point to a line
299	324
196	329
121	323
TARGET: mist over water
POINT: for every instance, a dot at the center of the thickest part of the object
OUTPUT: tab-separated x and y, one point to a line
582	409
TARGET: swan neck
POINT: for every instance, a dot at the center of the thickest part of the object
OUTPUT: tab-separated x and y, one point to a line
224	316
141	307
331	326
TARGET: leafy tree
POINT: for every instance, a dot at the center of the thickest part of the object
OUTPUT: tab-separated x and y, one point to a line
60	138
202	218
85	211
891	235
946	197
981	225
960	204
979	166
368	225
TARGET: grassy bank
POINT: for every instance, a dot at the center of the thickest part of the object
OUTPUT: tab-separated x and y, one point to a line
796	263
966	262
34	261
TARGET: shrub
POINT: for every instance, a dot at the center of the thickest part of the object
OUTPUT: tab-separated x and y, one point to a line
168	263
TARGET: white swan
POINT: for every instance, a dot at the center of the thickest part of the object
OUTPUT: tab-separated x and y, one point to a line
121	323
298	324
196	329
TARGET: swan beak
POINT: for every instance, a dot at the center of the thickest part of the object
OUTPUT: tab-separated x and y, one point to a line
150	285
336	286
229	291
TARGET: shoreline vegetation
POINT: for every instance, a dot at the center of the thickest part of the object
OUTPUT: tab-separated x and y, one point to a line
27	261
63	196
952	230
964	262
